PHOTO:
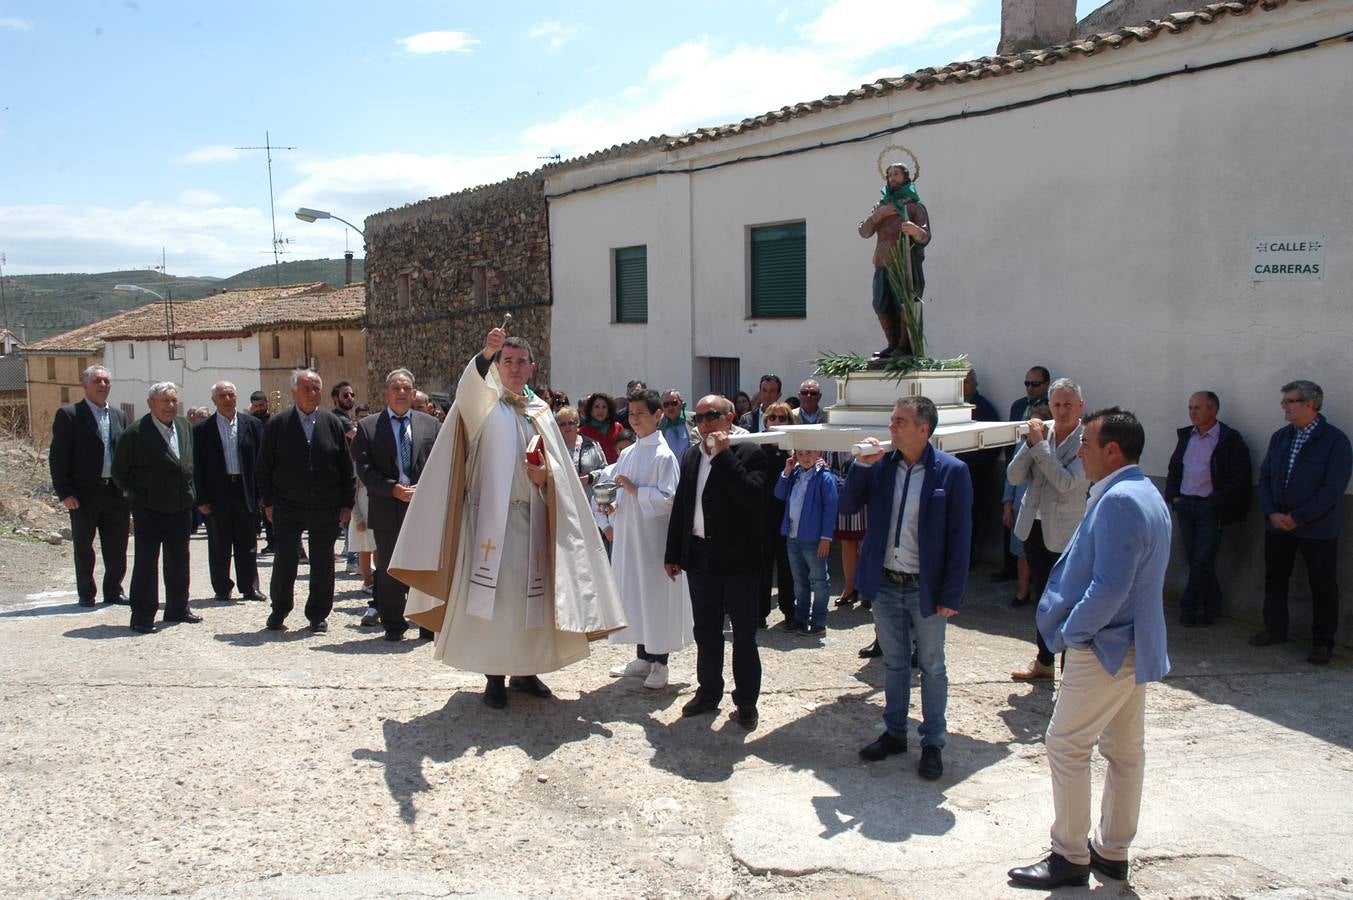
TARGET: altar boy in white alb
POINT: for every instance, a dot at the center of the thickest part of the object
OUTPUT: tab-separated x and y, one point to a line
657	608
501	552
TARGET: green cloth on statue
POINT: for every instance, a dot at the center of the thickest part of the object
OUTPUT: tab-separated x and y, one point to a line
900	198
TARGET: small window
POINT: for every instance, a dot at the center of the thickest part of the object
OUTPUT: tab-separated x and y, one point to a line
779	271
402	300
725	374
340	343
276	347
65	395
631	284
131	351
81	364
51	368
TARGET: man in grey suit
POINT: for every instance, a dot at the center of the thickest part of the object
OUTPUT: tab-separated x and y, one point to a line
225	451
1055	501
390	449
1103	607
84	439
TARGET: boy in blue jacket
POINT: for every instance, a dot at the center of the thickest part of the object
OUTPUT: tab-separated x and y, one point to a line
809	492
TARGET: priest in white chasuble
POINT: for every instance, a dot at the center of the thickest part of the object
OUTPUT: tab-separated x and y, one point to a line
657	608
500	551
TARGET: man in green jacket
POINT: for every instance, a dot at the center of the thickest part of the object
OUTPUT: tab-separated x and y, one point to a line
154	465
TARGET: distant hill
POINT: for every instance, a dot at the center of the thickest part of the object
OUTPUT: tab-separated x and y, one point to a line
40	306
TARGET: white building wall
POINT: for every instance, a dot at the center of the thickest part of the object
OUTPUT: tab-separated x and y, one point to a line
230	359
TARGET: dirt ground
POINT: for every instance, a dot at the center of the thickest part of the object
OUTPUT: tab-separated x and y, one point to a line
222	760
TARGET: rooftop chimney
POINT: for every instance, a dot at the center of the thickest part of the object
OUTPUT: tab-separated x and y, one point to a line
347	268
1034	24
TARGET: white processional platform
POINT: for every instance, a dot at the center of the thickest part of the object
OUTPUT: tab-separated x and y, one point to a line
864	406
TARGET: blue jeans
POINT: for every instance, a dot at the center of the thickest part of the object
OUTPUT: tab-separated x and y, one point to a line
1202	537
897	617
809	570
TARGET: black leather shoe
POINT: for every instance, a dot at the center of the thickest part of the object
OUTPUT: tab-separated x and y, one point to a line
426	634
530	684
1320	655
1052	872
119	600
495	692
932	764
872	651
276	622
885	746
1109	868
265	550
186	618
86	602
394	634
747	717
1017	602
698	706
1266	638
144	629
221	598
319	626
256	596
847	599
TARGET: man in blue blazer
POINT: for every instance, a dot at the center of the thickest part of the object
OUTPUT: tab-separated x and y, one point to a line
1303	475
1103	608
225	451
914	564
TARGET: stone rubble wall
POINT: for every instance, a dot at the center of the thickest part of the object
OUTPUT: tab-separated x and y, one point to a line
500	229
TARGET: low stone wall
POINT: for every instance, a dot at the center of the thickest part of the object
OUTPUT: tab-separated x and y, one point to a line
441	273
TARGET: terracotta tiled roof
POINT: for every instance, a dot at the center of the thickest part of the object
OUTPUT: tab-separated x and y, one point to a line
954	73
224	315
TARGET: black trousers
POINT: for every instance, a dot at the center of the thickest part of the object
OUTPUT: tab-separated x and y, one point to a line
775	566
1041	560
391	593
287	524
156	531
712	598
1322	559
107	513
231	533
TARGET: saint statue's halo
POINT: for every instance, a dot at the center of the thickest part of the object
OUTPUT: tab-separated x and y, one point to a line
914	171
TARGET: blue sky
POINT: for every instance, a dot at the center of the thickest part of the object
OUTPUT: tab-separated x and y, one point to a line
119	119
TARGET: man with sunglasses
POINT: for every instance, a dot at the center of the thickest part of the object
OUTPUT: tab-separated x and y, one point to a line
1036	382
1301	481
810	411
675	430
714	536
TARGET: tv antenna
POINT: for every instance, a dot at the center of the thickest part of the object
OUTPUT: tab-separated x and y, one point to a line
269	147
553	157
4	307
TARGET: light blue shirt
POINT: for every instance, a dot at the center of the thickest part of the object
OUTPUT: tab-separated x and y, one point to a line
902	553
308	423
796	495
102	417
230	441
400	436
170	435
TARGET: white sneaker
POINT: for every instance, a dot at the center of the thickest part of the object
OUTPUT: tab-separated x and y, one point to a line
635	668
657	679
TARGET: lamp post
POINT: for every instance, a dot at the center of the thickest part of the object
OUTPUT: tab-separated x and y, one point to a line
168	310
310	215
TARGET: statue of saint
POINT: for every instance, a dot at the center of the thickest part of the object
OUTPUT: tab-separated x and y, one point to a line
901	227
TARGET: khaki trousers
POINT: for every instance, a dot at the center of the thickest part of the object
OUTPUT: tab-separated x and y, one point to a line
1096	707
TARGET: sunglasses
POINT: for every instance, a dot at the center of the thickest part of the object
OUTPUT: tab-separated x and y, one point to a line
711	416
810	393
671	404
1034	383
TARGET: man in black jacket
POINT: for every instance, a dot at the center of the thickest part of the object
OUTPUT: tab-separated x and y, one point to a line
84	439
154	464
305	483
1208	487
225	452
714	536
391	448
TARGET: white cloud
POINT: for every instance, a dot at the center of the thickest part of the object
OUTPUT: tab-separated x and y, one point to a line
556	34
210	154
861	26
438	42
14	23
200	197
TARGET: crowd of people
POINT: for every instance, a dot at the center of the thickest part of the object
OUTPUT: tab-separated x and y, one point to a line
513	527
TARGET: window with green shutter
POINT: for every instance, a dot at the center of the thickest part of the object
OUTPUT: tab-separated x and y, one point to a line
779	271
631	284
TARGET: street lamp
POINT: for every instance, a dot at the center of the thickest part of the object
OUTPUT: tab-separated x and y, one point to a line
168	311
310	215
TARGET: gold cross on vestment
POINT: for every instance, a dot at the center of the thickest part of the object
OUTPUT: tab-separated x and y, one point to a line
487	547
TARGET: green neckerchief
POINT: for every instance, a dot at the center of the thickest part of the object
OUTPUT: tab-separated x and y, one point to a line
900	197
666	424
599	424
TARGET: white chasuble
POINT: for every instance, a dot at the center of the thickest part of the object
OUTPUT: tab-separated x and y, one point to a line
657	608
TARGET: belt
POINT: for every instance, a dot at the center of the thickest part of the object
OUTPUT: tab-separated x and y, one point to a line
233	477
105	481
901	577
